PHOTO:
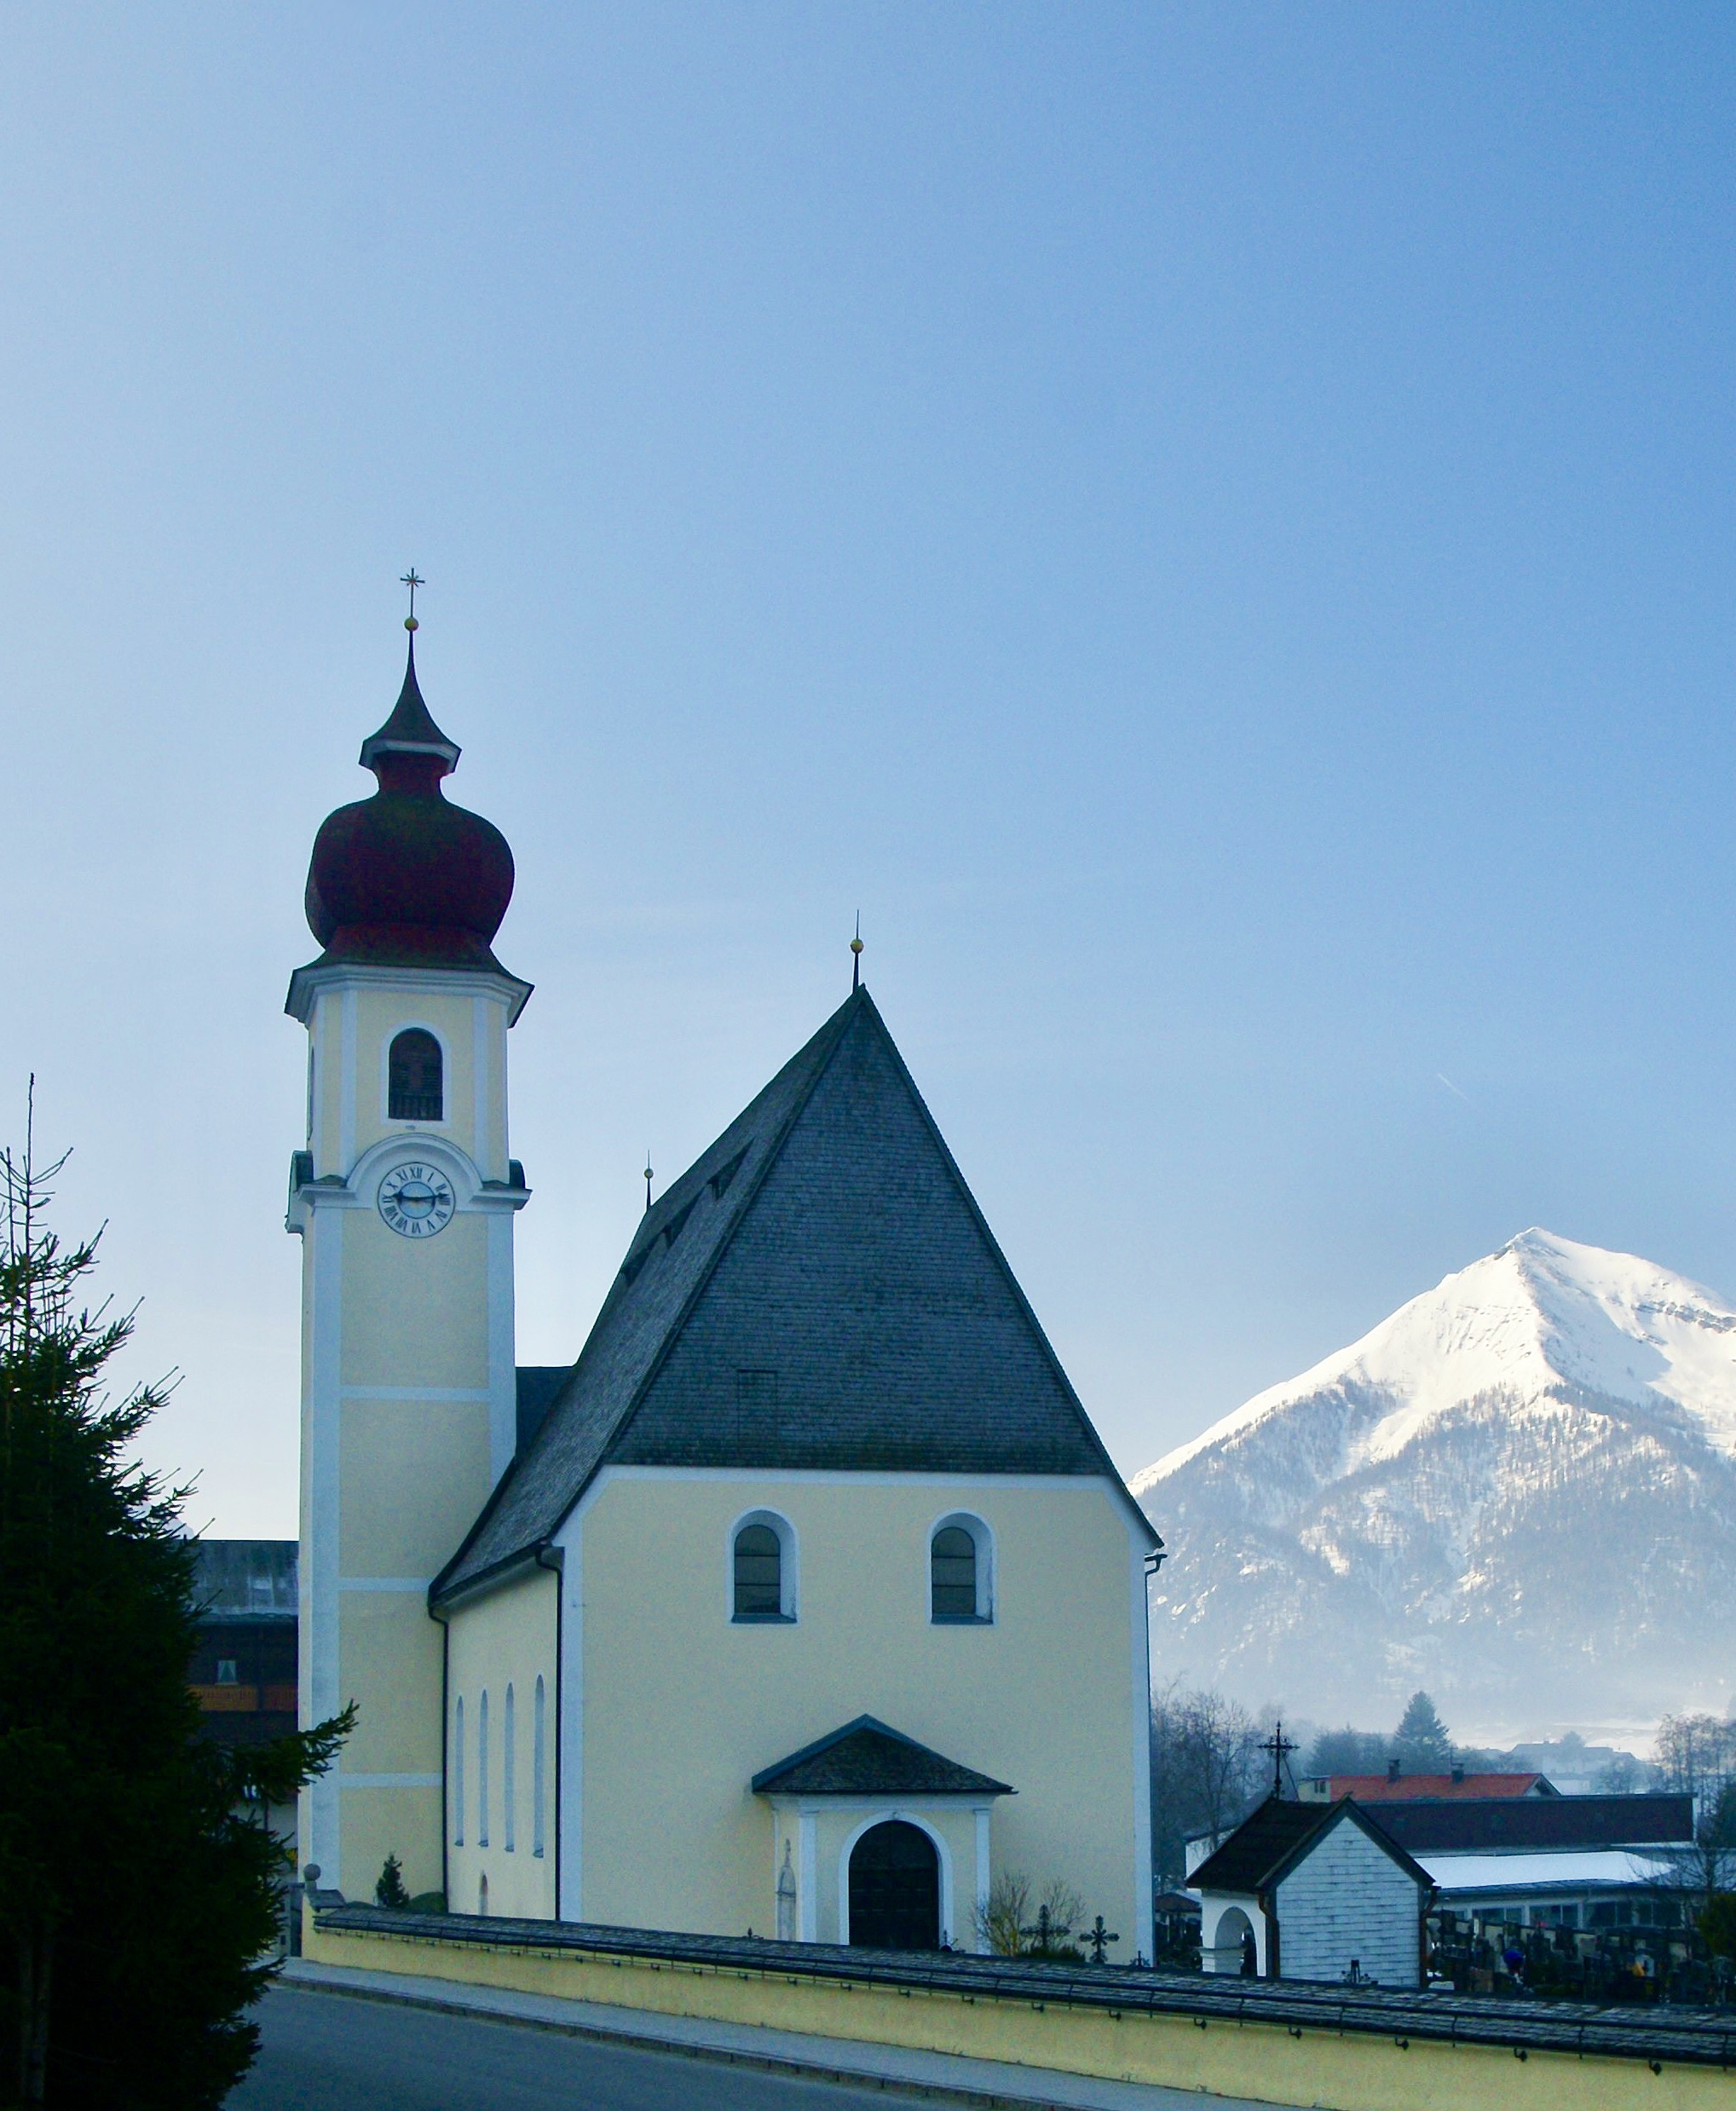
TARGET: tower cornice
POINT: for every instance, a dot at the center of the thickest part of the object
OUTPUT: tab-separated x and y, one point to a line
308	983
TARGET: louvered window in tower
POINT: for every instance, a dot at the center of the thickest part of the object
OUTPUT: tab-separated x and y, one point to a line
415	1087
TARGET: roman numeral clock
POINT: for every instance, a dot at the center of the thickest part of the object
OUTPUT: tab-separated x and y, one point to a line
416	1199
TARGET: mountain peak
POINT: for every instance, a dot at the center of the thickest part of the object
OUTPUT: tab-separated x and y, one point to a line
1540	1312
1461	1461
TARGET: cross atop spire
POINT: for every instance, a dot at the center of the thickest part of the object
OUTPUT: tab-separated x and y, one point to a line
1280	1747
855	954
412	578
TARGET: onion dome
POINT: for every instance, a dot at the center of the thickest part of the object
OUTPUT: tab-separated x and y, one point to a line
405	878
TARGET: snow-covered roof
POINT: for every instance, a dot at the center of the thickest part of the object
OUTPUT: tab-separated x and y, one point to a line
1506	1874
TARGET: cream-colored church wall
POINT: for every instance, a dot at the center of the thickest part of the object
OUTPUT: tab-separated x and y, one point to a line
411	1472
505	1639
390	1650
381	1821
471	1030
681	1706
354	1025
415	1309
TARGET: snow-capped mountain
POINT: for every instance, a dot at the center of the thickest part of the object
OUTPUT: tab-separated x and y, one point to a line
1519	1491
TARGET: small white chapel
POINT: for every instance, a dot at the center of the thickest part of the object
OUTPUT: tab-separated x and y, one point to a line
805	1600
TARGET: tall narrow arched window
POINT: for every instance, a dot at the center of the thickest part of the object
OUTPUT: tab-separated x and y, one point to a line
537	1729
959	1578
759	1565
762	1569
509	1771
415	1083
482	1770
458	1773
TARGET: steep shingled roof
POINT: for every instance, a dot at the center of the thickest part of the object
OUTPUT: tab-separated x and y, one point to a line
1265	1847
817	1290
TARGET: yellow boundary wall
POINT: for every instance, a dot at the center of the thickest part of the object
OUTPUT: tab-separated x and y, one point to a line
1332	2070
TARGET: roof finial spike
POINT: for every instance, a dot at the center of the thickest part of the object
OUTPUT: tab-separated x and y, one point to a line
855	955
648	1182
412	578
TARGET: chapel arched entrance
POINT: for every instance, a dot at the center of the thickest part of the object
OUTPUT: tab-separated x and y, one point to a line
894	1888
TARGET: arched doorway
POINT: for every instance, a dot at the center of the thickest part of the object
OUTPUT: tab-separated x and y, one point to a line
894	1889
1234	1947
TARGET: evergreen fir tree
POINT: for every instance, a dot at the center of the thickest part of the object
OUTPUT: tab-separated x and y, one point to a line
389	1890
1421	1742
135	1897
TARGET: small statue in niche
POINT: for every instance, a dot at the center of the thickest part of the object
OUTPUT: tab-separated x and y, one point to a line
785	1899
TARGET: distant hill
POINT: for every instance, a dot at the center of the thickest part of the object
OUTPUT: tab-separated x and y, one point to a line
1519	1491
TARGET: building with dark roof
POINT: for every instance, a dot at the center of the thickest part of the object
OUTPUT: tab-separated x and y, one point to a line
243	1671
1307	1891
804	1598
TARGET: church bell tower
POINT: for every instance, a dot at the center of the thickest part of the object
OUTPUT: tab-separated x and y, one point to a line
404	1196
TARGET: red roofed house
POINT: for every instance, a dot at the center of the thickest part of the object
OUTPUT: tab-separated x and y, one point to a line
1392	1787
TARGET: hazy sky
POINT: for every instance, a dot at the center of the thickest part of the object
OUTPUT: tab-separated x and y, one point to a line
1210	525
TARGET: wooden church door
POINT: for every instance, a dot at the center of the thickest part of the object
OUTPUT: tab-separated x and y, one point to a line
895	1889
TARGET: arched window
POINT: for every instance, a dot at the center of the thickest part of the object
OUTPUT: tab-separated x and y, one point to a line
482	1895
458	1773
762	1574
509	1769
538	1725
482	1771
959	1573
415	1087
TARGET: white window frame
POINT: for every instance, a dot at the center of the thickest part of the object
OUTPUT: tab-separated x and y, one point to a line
788	1567
983	1540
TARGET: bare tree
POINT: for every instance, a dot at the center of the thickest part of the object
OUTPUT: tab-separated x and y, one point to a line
1207	1771
1696	1754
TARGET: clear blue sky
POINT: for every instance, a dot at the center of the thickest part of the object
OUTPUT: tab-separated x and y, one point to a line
1211	526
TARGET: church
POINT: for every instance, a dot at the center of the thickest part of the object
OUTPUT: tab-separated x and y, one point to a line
806	1601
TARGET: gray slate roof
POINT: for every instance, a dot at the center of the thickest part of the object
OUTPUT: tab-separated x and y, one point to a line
1509	1824
245	1579
1265	1847
868	1758
817	1290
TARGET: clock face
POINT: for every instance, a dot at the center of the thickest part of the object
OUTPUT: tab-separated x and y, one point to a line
416	1201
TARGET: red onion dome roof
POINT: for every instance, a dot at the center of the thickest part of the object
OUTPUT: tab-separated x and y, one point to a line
405	878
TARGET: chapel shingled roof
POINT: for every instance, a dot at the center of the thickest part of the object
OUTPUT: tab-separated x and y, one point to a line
1266	1846
868	1758
818	1290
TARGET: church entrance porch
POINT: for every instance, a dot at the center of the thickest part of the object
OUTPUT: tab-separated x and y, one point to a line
894	1888
879	1842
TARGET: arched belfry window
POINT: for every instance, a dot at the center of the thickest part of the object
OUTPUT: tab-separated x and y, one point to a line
415	1083
763	1569
959	1562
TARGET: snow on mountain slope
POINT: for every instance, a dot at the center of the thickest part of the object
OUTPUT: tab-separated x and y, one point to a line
1520	1490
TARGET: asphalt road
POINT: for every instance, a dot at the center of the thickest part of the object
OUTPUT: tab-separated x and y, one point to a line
325	2052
